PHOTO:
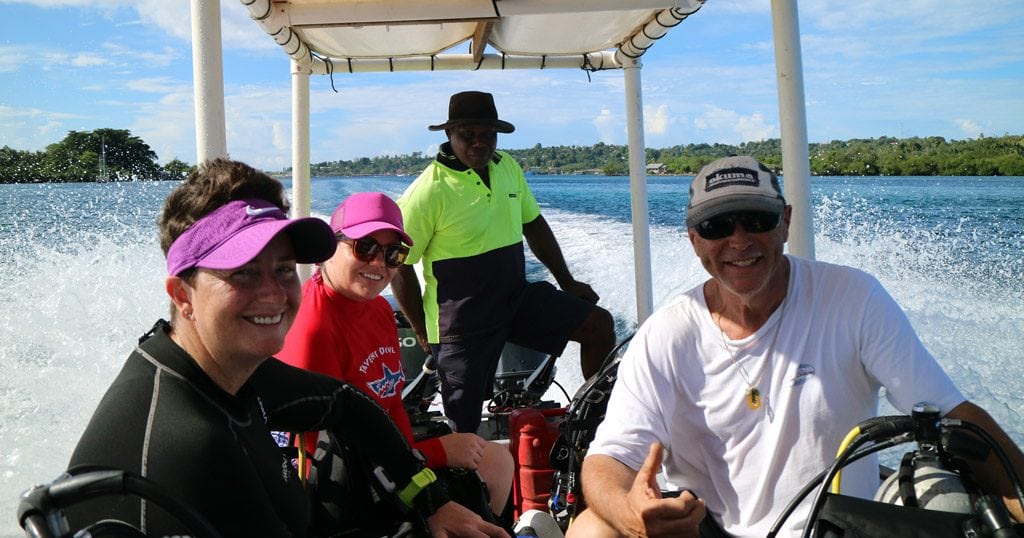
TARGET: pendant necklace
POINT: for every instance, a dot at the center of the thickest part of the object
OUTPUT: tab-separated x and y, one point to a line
753	397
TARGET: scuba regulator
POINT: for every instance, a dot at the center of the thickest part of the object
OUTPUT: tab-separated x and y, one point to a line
931	494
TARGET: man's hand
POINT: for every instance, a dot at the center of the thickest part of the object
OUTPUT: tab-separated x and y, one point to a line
453	520
421	339
991	471
405	286
463	449
581	290
659	516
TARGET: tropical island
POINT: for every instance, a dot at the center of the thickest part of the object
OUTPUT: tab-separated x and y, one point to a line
89	156
884	156
117	155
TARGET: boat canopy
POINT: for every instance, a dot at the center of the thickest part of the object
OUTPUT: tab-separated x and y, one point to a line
401	35
356	36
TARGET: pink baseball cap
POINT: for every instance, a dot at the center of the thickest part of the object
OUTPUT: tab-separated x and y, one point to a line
235	233
363	213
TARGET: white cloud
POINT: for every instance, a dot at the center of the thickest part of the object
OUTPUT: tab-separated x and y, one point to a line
159	58
921	17
68	3
32	129
607	125
88	59
167	125
238	31
13	58
256	118
893	37
969	128
753	128
52	60
657	120
282	136
174	18
158	85
731	127
154	58
742	6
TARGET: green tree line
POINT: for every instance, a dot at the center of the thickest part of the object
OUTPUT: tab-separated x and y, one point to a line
84	156
117	155
885	156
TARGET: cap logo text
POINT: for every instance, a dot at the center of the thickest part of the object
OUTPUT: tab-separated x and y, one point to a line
731	176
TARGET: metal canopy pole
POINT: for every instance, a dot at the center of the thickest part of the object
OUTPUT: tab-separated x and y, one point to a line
638	191
793	118
300	150
208	81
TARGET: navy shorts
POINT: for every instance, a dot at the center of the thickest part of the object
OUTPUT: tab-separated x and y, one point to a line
544	320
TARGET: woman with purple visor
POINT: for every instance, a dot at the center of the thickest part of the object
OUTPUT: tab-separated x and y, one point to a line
195	403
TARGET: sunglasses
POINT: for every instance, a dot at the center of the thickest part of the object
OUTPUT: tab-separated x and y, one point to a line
722	226
367	248
470	135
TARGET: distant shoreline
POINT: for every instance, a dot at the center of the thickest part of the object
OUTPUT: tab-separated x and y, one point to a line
287	176
884	156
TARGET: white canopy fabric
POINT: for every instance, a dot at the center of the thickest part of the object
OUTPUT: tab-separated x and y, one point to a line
380	35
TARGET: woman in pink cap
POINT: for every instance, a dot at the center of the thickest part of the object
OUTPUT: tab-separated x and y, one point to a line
193	408
345	329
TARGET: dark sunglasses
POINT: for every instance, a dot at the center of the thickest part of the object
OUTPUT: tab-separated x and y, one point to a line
722	226
469	135
366	249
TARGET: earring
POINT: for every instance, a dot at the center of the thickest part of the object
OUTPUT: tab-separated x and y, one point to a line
187	312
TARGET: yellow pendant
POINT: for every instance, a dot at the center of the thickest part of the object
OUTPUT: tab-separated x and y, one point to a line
754	399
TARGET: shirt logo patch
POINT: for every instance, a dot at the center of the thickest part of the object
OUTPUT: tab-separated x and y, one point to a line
283	439
803	372
386	386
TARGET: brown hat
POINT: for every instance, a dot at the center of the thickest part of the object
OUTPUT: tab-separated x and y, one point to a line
467	108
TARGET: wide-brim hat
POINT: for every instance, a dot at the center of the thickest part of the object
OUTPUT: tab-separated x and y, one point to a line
473	108
235	233
363	213
732	184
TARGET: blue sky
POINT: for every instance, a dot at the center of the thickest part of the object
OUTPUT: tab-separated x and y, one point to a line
871	68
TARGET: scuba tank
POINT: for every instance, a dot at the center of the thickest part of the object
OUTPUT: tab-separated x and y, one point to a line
923	482
585	413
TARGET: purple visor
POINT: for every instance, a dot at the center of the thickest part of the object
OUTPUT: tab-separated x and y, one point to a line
235	233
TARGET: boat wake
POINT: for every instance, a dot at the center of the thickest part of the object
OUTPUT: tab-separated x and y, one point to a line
80	293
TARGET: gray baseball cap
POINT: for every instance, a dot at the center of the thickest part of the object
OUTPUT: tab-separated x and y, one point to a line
730	184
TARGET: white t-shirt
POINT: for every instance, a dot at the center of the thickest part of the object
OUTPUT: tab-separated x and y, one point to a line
818	362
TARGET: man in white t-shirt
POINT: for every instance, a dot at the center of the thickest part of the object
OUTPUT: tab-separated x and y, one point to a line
742	389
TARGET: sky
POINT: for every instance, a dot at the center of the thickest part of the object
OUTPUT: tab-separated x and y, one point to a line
871	68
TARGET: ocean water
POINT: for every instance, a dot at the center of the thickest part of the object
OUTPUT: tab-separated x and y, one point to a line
81	277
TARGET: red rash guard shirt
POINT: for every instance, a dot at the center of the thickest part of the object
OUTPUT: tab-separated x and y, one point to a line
357	342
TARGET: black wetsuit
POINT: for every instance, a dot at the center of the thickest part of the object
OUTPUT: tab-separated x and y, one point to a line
165	419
